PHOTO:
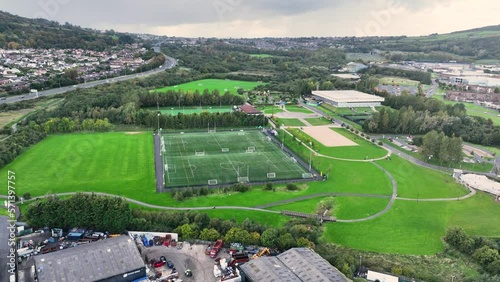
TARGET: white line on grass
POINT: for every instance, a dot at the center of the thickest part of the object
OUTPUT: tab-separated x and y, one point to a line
182	158
272	163
191	168
237	172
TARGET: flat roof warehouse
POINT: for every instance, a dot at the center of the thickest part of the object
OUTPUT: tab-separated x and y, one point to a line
349	98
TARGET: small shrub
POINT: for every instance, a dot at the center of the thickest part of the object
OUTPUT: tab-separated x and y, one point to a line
27	196
356	131
380	143
362	134
268	187
291	187
239	187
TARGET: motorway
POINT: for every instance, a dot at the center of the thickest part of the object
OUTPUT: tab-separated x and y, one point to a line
169	63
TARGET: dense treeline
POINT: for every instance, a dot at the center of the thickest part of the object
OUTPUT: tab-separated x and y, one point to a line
192	225
423	77
437	146
180	121
81	210
17	32
482	250
18	142
67	125
189	98
419	115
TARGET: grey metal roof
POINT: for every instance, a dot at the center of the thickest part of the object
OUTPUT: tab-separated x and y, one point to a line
89	262
269	269
310	267
297	264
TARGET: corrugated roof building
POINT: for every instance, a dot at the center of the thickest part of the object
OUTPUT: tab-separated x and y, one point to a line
110	260
297	264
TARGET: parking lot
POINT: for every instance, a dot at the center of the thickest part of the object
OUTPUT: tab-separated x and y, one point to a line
188	257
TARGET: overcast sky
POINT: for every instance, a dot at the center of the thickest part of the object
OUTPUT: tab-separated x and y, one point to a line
265	18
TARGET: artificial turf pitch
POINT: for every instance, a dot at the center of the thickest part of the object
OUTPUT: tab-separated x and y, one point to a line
192	159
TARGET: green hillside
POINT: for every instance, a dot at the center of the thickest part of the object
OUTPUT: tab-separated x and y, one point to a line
18	32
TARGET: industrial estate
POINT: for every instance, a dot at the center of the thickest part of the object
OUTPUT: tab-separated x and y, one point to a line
267	159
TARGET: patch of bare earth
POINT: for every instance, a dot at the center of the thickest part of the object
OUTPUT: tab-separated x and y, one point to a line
328	137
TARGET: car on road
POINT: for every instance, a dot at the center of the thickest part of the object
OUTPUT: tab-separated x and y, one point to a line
3	98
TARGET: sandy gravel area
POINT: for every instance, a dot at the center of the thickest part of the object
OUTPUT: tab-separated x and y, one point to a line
481	182
328	137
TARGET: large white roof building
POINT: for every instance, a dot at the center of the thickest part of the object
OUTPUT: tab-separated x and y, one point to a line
349	98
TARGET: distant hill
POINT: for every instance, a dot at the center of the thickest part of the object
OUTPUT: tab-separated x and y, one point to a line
19	32
475	44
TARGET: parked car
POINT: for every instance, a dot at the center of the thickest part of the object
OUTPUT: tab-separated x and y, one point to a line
170	264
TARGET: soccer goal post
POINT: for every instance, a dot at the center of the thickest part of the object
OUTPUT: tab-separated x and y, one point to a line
271	175
212	182
243	179
250	151
251	148
241	133
199	153
307	175
225	150
166	167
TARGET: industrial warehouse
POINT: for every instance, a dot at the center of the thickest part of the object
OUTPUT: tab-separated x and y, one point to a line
294	265
110	260
348	98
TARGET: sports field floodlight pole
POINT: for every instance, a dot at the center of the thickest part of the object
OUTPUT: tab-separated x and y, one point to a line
310	160
158	119
283	139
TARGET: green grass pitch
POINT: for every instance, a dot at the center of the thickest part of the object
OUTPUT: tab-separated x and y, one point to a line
211	84
116	163
195	158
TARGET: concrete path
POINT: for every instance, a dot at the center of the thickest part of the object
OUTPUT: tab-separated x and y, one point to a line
320	195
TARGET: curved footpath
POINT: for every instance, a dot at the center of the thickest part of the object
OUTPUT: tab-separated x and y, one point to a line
389	205
153	206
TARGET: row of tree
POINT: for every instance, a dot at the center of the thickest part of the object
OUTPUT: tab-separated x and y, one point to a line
18	142
67	125
418	115
197	121
191	226
81	210
172	98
